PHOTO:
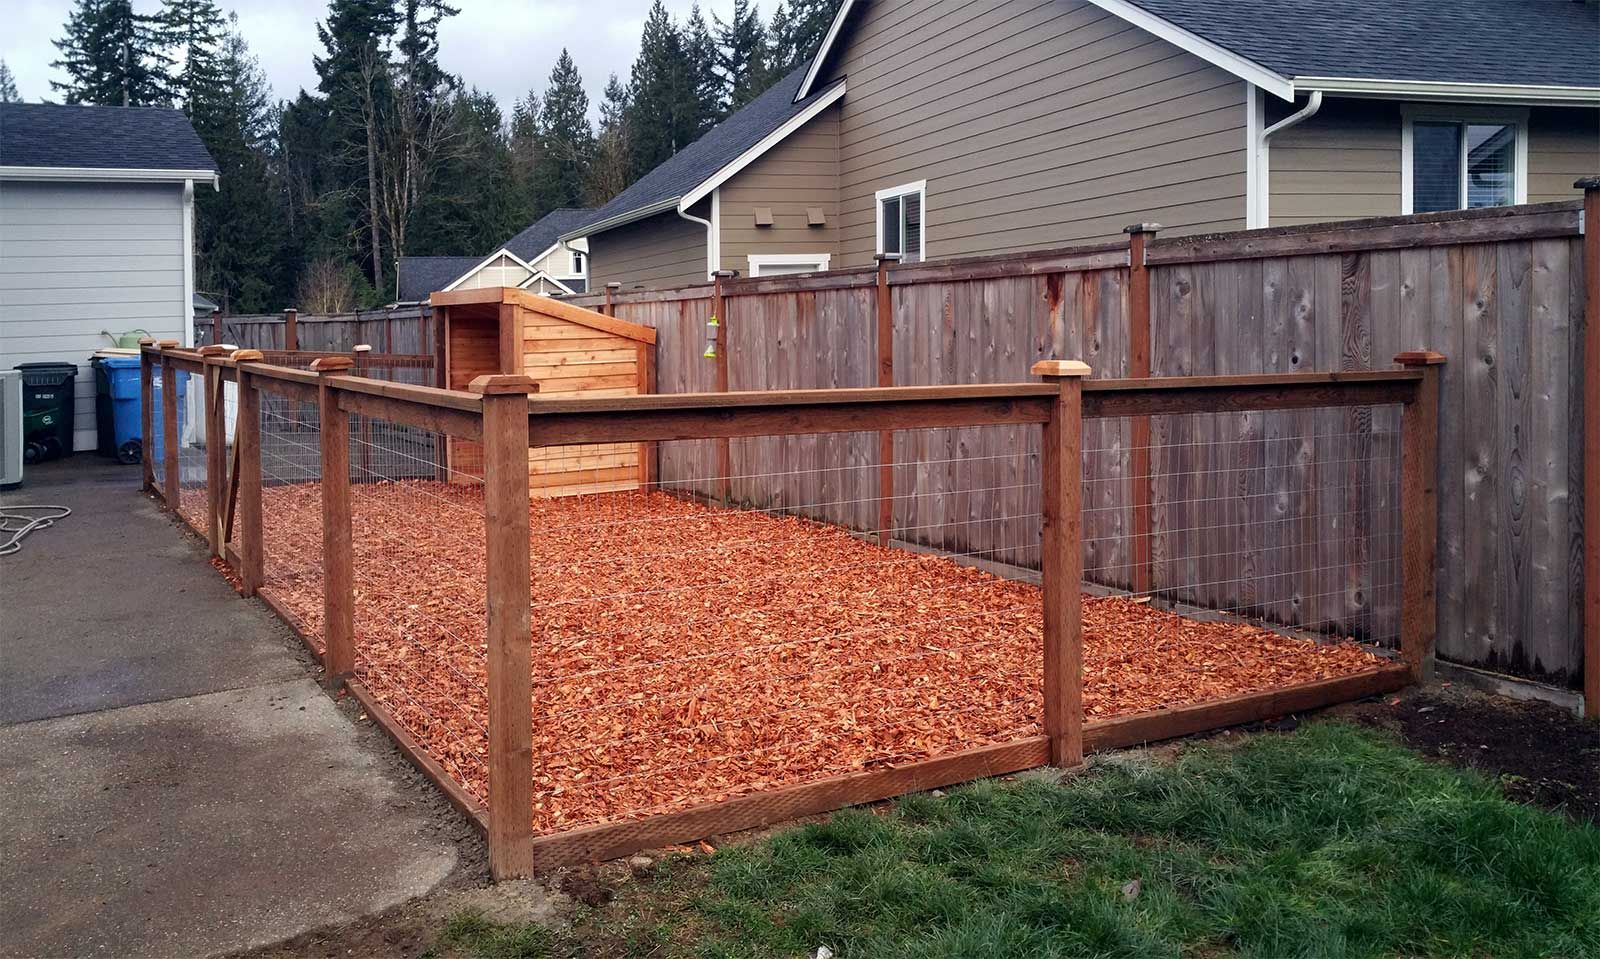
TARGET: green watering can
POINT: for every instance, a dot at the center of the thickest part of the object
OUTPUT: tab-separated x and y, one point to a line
126	341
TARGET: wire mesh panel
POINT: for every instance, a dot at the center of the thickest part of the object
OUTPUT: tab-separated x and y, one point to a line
291	507
192	440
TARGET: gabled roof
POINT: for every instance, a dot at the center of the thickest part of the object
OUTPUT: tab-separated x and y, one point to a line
57	142
1526	50
531	243
422	275
725	149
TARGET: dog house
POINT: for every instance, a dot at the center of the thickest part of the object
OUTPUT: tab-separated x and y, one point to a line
571	352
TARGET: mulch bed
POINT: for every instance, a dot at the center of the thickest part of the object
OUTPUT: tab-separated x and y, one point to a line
684	654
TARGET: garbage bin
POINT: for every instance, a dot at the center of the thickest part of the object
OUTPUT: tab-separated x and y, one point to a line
157	435
47	409
116	407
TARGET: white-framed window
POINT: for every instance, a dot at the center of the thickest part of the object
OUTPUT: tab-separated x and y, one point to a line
900	220
1462	158
780	264
577	263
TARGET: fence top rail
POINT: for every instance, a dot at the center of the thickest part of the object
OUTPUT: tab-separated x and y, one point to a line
1232	394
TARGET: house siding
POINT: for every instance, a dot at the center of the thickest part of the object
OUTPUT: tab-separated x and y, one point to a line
660	251
502	271
1340	164
557	263
1036	123
79	258
801	171
1563	145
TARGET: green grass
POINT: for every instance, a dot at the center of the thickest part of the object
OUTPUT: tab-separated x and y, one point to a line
1330	842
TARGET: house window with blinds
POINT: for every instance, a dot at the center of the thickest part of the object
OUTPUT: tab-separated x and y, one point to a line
1464	164
900	212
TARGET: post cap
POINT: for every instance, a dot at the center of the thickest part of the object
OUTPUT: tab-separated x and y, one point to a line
331	364
215	349
167	344
886	257
1419	358
147	341
1061	368
245	356
1141	228
1588	183
500	384
726	274
614	285
361	348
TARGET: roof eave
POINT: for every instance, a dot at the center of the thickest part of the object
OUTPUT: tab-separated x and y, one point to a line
108	174
622	219
824	100
1464	92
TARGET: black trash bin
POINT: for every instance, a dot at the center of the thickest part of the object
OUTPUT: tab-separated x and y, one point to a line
47	410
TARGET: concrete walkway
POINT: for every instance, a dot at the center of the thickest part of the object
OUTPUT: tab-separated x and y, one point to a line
172	780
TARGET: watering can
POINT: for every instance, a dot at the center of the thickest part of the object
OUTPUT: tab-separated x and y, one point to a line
126	341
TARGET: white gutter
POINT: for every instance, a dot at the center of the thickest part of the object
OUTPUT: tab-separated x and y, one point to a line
1428	90
1263	193
711	232
622	219
114	174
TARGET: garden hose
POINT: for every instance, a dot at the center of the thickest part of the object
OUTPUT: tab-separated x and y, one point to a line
18	521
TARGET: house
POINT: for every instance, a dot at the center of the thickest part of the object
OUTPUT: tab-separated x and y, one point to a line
941	128
96	233
534	259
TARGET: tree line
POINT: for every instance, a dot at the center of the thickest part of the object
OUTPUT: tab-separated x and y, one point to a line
391	155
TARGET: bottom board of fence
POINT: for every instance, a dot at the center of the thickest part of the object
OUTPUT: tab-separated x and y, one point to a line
463	801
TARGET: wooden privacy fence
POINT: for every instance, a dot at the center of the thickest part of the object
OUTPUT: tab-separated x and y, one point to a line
499	413
1501	289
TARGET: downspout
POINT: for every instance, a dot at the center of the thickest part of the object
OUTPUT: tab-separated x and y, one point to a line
1294	119
711	235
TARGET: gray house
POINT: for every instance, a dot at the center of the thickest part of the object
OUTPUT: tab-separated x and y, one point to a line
942	128
96	232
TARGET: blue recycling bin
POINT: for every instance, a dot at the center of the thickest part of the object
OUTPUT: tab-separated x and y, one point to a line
157	451
117	407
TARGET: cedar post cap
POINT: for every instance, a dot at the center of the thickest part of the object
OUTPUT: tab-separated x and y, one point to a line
614	285
886	257
1133	228
1419	358
215	349
331	364
361	348
1587	183
229	347
290	309
167	344
245	356
1060	368
726	274
501	384
147	341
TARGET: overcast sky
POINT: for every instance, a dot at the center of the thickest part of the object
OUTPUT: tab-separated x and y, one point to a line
503	47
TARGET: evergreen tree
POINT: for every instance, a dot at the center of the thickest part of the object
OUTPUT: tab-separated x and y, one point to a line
661	99
808	24
418	125
8	85
473	205
112	56
193	31
526	152
566	140
781	54
700	49
608	174
742	55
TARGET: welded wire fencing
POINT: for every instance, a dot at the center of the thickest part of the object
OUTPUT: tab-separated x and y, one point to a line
291	508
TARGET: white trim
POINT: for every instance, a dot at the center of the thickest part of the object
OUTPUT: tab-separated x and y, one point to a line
888	193
823	101
1462	113
577	269
621	219
820	260
188	263
1258	214
1510	93
822	51
542	275
118	174
1255	154
485	262
1247	70
713	246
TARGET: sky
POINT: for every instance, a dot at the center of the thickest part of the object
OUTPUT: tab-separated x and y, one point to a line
502	47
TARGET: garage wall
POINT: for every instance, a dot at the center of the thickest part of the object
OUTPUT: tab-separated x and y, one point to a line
79	258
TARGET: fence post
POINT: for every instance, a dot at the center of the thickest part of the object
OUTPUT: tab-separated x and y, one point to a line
291	336
338	572
1591	445
883	310
1419	515
247	439
1139	236
147	432
506	502
362	354
216	421
216	327
719	313
1061	561
171	491
611	291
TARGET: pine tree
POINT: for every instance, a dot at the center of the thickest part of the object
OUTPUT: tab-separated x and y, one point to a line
661	99
472	205
193	31
566	140
8	85
418	128
808	24
608	174
112	56
781	54
742	54
700	51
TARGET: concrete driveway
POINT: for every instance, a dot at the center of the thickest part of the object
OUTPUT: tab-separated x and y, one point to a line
174	781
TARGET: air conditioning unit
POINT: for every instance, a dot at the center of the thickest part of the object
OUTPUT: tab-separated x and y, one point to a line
10	427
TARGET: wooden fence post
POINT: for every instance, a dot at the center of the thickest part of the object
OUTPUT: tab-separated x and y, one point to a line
1139	236
171	490
1419	516
216	327
147	434
611	291
291	336
338	561
883	312
1591	445
247	440
216	420
509	631
362	354
1061	561
719	313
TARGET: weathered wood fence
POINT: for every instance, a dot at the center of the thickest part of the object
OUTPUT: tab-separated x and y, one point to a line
406	330
1500	292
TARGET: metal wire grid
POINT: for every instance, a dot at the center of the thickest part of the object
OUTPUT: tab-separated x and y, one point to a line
291	508
192	440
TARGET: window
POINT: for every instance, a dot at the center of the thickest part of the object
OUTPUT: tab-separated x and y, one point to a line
577	263
900	211
1463	162
781	264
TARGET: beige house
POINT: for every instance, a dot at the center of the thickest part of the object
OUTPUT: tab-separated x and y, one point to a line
535	259
940	128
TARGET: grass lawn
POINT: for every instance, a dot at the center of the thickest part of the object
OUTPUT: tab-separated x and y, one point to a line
1332	841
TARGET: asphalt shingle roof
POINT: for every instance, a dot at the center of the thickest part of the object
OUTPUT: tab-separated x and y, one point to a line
130	138
422	275
1525	42
697	162
542	234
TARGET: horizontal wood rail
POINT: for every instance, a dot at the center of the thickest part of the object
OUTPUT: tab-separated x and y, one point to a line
1233	394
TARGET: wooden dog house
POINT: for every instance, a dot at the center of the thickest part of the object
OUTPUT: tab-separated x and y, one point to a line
571	352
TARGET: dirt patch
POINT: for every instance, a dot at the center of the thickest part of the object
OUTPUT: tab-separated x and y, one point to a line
1539	753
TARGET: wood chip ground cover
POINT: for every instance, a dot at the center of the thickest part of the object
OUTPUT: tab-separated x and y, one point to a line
684	654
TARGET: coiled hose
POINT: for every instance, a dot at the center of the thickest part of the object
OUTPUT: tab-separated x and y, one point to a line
17	522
